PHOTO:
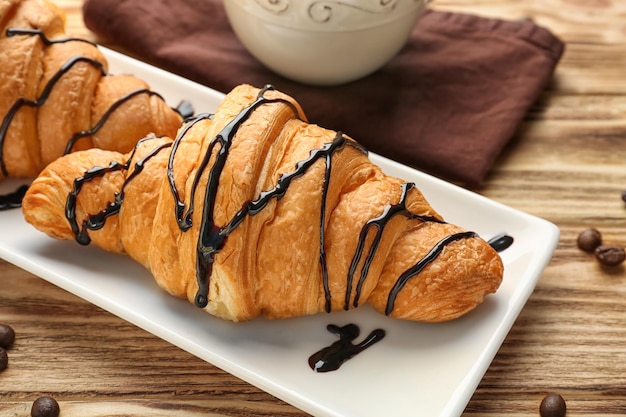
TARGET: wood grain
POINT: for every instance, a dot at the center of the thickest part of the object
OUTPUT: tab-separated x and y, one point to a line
567	164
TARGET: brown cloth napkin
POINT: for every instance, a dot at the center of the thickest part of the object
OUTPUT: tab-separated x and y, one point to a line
447	104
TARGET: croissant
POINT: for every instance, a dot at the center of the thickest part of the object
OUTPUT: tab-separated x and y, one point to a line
252	211
56	95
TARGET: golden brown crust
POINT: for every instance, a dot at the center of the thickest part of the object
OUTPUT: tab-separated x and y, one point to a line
145	113
66	92
271	262
136	226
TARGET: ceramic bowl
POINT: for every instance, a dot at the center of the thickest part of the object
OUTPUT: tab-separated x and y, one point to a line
323	42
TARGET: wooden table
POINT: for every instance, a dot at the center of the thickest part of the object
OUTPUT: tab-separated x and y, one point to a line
567	164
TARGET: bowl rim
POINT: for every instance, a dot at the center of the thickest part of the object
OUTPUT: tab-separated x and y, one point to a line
255	8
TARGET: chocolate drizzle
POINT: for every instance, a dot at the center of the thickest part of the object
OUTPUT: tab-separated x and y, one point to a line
332	357
184	219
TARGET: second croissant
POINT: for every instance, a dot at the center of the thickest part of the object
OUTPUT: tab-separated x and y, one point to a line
253	211
56	95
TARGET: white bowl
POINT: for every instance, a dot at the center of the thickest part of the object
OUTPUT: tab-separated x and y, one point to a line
323	42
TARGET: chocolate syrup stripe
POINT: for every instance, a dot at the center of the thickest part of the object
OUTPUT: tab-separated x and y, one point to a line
97	221
421	264
212	237
184	218
38	32
50	85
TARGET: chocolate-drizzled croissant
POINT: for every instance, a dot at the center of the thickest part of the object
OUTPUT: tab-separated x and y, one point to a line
56	95
253	211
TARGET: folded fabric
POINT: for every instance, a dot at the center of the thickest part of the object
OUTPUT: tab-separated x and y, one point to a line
447	104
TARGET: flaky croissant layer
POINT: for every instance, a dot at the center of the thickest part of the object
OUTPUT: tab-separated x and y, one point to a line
56	95
253	211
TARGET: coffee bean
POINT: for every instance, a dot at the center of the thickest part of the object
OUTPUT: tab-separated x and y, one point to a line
4	359
7	336
610	255
45	407
553	405
589	239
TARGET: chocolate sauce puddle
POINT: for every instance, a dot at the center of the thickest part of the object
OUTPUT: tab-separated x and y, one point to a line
185	109
14	199
332	357
501	242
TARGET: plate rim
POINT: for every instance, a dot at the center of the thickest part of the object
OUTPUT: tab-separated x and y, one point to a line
550	236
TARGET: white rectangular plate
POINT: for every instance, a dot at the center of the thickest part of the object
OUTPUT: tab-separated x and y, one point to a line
417	370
